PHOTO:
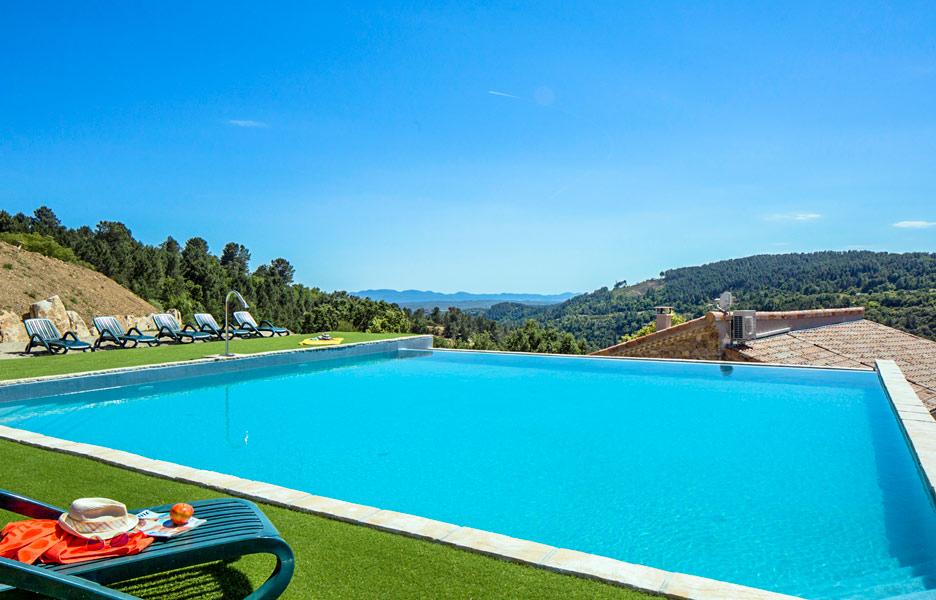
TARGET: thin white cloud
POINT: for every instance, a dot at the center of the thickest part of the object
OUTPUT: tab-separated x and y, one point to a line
246	123
794	217
915	224
557	193
502	94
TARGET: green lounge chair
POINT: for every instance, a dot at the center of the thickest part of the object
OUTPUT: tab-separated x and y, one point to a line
111	331
42	332
167	326
244	320
234	528
206	322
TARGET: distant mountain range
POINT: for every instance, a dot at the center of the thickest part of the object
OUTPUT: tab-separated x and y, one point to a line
416	299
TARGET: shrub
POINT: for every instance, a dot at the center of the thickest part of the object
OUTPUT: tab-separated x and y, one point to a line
42	244
650	328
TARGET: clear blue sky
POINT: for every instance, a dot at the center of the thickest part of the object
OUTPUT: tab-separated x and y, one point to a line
367	145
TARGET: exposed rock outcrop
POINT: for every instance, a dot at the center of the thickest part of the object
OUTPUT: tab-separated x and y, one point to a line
54	310
175	313
144	323
12	328
77	324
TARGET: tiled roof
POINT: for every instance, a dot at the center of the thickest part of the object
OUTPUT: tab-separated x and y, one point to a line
853	344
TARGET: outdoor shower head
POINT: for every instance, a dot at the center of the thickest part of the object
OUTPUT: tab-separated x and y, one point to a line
239	297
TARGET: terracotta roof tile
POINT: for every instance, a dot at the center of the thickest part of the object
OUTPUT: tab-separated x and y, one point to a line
853	344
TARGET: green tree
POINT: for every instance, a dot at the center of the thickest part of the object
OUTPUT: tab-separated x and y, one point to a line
650	328
203	270
44	222
173	258
235	259
483	341
281	271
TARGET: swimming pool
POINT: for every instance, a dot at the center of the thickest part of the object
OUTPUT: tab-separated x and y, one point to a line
792	480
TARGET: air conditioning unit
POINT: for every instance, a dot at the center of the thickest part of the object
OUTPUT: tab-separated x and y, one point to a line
743	325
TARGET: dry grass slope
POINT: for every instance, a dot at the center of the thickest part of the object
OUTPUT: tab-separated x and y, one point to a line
26	277
641	288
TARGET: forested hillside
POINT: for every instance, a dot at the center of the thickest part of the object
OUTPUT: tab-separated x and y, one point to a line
192	279
896	289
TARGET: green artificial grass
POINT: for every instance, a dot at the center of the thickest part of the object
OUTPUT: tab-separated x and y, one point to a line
333	559
77	362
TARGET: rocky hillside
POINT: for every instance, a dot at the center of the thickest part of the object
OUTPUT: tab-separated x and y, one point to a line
27	278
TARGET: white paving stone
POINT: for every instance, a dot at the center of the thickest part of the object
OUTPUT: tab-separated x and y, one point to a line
411	525
691	587
274	494
217	480
20	434
499	545
638	577
346	511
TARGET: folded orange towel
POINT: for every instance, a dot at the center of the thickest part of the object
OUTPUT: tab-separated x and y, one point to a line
29	541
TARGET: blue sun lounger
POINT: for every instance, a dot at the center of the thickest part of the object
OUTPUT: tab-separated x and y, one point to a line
206	322
111	331
247	322
42	332
234	528
167	326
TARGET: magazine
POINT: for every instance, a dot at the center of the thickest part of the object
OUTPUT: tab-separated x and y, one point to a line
159	525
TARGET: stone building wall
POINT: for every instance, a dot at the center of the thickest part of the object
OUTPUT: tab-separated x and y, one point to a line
696	339
699	343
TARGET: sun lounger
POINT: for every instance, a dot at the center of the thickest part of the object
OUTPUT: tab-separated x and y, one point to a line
247	322
167	326
42	332
206	322
234	528
110	330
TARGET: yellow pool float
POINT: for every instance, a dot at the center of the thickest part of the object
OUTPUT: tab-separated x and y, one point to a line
315	342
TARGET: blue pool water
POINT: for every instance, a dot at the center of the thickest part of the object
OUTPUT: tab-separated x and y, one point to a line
793	480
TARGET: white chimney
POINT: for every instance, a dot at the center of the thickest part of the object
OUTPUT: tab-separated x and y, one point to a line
664	317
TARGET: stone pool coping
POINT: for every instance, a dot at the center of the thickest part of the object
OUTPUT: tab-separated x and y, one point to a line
919	427
916	422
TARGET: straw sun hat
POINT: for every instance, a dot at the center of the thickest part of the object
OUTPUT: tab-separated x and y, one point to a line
97	517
